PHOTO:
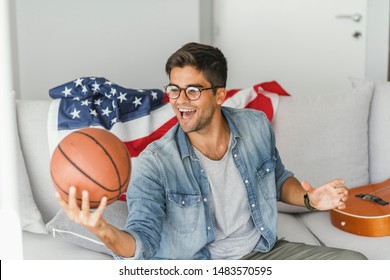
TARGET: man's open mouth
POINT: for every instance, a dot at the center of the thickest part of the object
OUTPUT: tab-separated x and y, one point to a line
187	113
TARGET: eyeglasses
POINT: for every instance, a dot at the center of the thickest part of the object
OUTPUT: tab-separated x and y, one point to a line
191	92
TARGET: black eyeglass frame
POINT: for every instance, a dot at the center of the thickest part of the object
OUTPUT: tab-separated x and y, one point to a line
185	91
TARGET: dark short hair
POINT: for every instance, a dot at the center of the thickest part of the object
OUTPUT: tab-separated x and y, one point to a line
206	59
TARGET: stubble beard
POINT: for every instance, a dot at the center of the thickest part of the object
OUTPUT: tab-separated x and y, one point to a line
201	124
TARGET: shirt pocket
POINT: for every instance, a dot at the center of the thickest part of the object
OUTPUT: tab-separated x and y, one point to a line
266	178
183	211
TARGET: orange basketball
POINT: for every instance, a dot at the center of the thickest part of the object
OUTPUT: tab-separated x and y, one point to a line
91	159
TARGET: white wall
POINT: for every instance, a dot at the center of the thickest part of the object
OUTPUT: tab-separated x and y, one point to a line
126	41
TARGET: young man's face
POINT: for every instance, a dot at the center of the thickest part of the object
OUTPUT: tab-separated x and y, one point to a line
193	115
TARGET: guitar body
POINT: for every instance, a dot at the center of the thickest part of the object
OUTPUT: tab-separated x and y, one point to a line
365	215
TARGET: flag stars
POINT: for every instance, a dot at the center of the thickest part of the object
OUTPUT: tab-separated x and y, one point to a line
106	112
93	112
95	87
78	82
66	91
154	94
98	102
122	97
85	103
137	101
84	89
75	113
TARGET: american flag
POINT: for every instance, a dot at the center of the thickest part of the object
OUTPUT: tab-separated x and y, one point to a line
136	116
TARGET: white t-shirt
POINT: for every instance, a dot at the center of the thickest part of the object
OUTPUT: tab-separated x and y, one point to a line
235	232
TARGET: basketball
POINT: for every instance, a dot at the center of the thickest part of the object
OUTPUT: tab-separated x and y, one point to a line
91	159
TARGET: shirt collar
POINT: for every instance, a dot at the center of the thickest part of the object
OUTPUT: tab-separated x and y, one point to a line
185	147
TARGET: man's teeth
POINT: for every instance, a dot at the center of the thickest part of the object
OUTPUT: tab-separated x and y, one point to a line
186	110
186	113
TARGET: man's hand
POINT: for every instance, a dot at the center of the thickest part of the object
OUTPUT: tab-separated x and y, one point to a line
331	195
120	242
83	216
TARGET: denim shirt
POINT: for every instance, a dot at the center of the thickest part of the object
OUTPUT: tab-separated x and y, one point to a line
168	195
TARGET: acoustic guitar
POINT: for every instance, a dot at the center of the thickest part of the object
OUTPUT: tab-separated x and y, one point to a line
367	211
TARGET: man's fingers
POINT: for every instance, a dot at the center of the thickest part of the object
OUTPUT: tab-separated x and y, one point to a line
72	201
336	183
99	211
61	201
85	201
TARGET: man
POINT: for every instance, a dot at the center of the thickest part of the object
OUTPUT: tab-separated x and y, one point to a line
208	188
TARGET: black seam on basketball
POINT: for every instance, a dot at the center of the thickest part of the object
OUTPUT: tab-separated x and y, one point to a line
57	185
109	200
108	155
128	169
98	201
85	174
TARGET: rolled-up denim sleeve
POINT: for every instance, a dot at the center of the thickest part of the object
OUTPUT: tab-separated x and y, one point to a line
281	174
138	249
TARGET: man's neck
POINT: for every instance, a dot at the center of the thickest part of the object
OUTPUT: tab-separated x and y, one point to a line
213	141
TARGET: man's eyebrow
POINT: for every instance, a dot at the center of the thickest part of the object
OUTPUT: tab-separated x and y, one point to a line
195	85
189	85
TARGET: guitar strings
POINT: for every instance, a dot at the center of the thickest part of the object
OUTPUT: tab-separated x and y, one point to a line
381	189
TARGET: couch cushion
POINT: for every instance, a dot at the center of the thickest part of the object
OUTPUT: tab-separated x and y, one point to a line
325	136
291	228
61	226
47	247
320	225
379	129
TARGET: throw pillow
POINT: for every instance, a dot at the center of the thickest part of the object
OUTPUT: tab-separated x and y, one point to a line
60	225
325	136
30	217
379	129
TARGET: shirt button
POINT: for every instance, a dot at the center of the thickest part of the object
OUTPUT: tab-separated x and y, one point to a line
267	170
183	202
235	155
261	228
205	199
208	228
253	205
246	181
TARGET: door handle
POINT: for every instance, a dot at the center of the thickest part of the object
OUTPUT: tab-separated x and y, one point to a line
355	17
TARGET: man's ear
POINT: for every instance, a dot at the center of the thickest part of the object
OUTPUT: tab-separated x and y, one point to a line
221	95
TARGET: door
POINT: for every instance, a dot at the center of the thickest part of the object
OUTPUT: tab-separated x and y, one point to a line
308	46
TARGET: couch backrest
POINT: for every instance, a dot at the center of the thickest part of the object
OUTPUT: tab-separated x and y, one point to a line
324	137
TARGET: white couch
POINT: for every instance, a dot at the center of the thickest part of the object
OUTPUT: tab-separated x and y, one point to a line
344	134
